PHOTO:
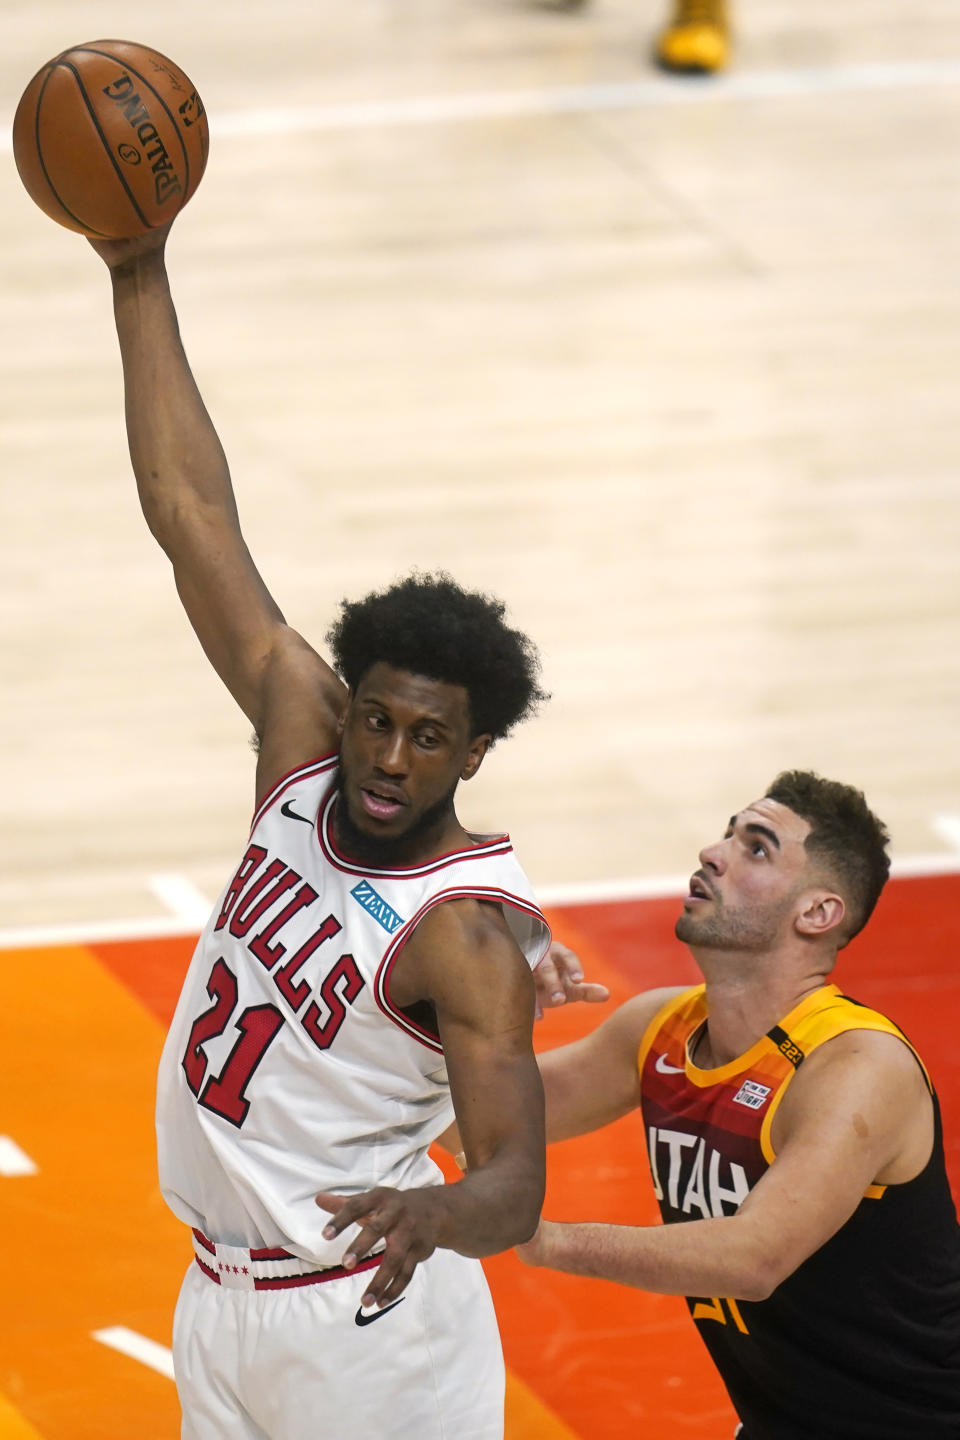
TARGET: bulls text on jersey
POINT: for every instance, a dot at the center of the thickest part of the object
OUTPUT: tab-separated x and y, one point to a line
255	891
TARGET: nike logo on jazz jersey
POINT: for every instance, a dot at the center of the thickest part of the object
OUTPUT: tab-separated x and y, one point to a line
292	814
361	1319
663	1068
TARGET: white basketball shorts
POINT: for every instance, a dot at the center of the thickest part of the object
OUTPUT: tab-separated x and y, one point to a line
298	1364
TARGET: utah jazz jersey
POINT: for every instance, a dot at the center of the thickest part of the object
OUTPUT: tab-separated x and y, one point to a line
862	1341
288	1068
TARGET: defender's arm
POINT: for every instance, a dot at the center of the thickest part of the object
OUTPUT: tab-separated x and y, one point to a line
858	1113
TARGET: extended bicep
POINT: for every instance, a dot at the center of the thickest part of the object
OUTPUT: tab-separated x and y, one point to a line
288	692
595	1081
233	614
585	1088
496	1091
236	619
466	963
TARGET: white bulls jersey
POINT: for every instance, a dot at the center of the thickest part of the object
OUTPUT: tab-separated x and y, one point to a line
287	1069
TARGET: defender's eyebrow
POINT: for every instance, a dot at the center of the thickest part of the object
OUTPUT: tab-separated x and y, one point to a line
752	828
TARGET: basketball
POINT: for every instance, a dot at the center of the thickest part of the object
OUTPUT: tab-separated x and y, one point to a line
110	139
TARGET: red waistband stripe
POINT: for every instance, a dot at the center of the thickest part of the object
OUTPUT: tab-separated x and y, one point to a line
266	1269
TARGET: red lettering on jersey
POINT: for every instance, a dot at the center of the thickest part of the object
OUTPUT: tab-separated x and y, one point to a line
268	954
227	1094
344	978
222	989
246	913
296	994
251	862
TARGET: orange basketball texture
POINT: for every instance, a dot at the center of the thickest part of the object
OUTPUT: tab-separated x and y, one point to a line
110	139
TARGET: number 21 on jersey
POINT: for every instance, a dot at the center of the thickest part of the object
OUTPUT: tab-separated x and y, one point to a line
258	1025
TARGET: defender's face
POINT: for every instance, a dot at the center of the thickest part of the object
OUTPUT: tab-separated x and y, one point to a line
405	743
744	894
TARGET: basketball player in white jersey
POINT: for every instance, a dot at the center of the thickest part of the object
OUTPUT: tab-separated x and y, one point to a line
367	960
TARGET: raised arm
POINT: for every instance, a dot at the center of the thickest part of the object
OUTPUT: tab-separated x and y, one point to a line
858	1113
288	692
463	961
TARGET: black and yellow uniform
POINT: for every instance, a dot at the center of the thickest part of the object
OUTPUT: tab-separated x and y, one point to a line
862	1341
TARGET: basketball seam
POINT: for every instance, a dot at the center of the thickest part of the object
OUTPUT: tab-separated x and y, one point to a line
106	145
46	174
107	55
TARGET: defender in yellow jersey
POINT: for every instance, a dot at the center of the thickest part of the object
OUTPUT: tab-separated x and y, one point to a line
794	1142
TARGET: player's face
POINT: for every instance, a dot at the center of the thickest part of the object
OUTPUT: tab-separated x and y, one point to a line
405	745
744	895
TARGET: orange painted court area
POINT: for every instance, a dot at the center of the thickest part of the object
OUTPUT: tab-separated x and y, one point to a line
89	1245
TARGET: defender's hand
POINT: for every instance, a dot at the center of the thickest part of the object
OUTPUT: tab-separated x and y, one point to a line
559	978
409	1220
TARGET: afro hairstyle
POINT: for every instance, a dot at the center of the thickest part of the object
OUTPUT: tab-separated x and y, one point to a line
429	625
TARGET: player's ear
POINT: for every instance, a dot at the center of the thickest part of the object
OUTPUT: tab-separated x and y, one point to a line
822	912
479	746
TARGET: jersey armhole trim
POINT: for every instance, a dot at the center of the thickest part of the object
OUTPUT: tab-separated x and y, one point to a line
307	771
381	984
822	1033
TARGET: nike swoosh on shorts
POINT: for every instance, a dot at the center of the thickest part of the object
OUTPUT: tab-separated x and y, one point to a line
361	1319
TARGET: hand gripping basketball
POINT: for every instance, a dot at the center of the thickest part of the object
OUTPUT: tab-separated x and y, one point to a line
110	139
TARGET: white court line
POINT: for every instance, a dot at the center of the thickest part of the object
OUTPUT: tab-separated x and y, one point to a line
13	1160
594	892
138	1347
583	99
84	932
190	906
917	866
578	99
662	887
948	828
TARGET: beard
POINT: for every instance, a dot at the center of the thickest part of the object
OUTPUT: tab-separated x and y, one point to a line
383	852
749	928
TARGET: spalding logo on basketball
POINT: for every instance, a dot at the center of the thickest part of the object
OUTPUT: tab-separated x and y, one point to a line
110	139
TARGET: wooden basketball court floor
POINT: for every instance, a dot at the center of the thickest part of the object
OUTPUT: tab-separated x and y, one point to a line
670	366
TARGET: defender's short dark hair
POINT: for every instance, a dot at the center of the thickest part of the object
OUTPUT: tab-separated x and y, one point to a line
845	837
429	625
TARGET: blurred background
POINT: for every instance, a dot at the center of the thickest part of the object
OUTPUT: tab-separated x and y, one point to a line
666	361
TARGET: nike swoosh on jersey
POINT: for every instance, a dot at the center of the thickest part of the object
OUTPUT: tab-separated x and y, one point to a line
292	814
361	1319
664	1068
